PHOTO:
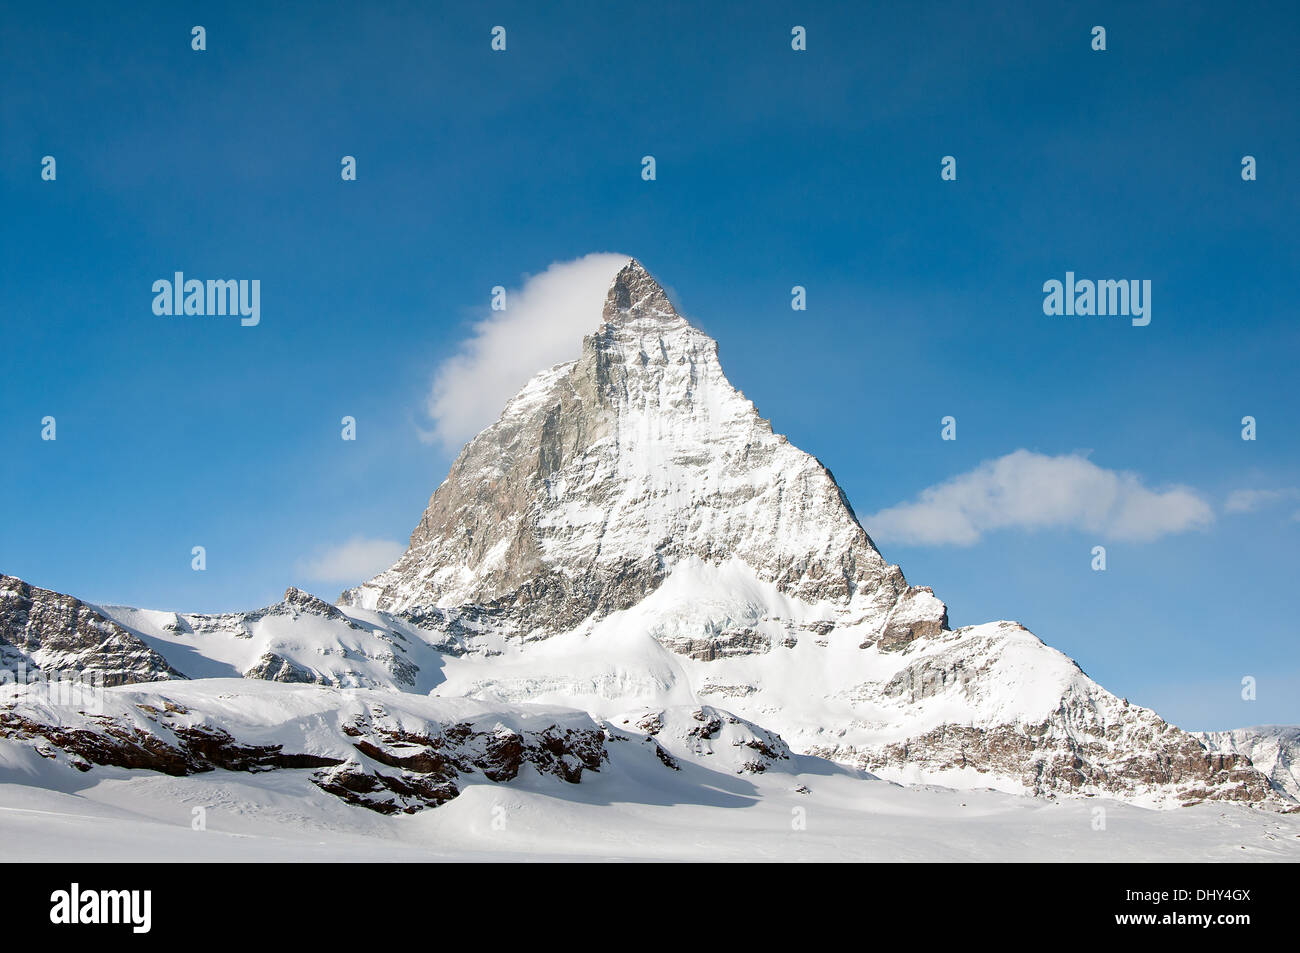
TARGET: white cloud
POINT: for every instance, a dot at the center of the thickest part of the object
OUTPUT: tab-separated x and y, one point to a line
352	562
1248	501
1031	491
543	325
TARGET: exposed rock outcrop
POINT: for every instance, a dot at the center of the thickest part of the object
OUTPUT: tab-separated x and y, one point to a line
47	634
1274	750
373	750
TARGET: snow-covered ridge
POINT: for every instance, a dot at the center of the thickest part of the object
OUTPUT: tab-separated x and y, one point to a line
44	632
1273	749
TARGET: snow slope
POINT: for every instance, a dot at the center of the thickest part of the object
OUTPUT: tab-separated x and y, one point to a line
635	807
982	706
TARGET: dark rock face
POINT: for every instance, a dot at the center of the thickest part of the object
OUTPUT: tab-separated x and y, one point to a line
553	601
930	678
273	668
58	636
709	734
1274	750
740	640
383	793
428	765
172	749
1186	767
1071	752
391	768
916	615
710	723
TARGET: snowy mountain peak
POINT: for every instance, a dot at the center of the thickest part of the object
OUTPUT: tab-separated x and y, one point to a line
635	294
605	476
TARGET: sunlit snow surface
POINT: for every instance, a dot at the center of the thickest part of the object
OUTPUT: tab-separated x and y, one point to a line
634	809
825	694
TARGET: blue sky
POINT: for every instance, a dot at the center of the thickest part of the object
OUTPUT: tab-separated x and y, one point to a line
774	168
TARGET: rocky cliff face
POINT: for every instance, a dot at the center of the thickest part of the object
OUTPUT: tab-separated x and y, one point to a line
1273	749
388	752
45	634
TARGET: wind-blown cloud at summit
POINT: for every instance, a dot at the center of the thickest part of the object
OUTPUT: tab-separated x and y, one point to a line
543	324
1032	491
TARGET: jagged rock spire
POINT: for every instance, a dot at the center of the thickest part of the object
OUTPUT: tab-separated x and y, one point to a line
634	290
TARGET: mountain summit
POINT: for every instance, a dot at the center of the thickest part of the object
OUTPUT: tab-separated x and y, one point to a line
606	474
